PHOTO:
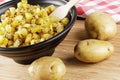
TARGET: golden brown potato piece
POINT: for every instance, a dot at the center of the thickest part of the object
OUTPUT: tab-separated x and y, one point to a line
92	51
47	68
100	26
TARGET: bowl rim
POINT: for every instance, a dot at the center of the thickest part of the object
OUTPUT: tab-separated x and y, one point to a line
68	27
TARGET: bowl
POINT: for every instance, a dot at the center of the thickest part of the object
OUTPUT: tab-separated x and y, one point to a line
27	54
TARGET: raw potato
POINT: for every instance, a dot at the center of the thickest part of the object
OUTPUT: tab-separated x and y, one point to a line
92	51
47	68
100	26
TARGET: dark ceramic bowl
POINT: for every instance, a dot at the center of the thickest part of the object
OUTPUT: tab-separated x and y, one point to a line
27	54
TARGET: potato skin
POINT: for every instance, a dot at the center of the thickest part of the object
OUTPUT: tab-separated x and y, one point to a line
92	51
100	26
47	68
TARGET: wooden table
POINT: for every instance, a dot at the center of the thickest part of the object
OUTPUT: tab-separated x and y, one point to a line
106	70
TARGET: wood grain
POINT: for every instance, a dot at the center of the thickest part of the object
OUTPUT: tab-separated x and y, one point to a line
106	70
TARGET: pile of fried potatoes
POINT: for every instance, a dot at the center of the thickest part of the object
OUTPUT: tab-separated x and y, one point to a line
28	24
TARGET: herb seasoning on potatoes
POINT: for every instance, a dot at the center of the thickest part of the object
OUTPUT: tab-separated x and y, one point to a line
28	24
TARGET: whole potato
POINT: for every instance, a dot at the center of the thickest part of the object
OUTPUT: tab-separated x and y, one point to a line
92	51
100	26
47	68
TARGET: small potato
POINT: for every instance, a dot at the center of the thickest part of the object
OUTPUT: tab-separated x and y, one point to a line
100	26
92	51
47	68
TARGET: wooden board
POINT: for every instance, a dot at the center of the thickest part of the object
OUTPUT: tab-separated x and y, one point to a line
106	70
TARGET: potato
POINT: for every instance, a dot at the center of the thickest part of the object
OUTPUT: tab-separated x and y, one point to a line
92	50
100	26
47	68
